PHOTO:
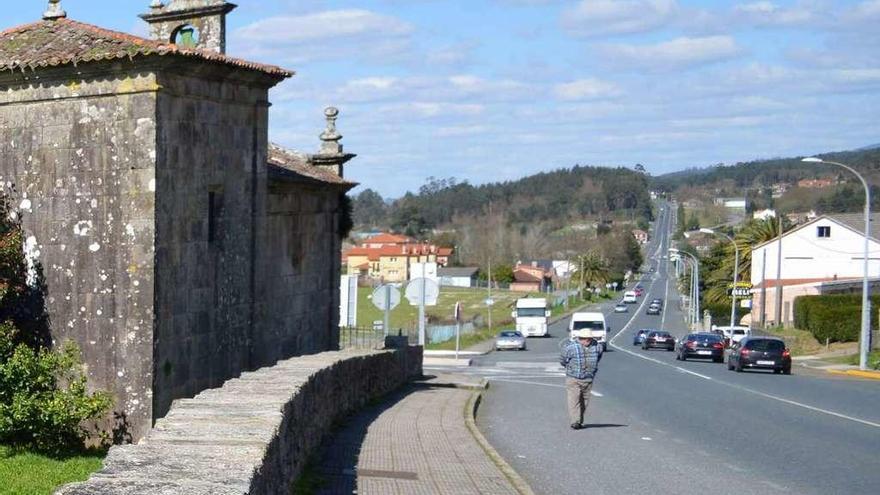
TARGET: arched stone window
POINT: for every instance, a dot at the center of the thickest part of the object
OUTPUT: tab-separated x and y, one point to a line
186	36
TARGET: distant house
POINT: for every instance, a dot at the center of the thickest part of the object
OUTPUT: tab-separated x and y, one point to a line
764	214
533	276
779	189
816	256
458	276
816	183
640	235
732	203
391	257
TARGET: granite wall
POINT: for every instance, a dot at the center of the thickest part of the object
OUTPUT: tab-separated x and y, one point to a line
210	195
76	160
255	434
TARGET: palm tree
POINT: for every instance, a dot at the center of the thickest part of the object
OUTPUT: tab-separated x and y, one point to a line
591	269
752	234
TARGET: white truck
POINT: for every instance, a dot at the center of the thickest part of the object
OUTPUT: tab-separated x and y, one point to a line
595	322
531	316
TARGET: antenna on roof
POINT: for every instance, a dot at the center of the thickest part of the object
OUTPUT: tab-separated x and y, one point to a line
54	11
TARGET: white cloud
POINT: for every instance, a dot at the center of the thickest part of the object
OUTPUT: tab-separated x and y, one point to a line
586	89
325	35
766	13
674	54
332	24
611	17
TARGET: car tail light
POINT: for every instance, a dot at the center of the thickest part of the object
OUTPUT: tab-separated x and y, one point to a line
744	352
691	344
786	353
718	345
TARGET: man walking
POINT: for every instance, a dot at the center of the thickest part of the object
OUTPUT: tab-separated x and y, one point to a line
580	357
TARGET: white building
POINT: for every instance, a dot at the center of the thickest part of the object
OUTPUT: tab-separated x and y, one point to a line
764	214
827	249
458	276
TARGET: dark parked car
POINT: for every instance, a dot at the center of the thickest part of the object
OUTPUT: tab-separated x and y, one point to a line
701	345
659	339
639	337
760	353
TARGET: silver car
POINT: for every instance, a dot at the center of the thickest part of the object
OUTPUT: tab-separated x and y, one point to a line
509	339
621	308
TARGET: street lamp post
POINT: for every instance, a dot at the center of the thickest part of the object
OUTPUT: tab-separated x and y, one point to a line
735	271
695	283
865	340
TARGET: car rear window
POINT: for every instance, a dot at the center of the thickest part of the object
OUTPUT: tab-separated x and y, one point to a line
708	337
765	345
739	332
662	334
587	325
509	334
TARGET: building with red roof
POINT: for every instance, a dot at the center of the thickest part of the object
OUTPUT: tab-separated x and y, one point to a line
390	257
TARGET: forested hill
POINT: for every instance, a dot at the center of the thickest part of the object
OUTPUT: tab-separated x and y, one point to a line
765	172
555	197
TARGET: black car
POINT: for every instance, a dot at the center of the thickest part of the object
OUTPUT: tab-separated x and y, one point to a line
760	353
701	345
659	340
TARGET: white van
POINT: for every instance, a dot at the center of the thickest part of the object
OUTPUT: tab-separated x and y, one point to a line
531	316
595	322
630	297
735	333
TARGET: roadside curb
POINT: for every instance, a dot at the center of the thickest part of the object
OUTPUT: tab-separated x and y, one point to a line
874	375
470	419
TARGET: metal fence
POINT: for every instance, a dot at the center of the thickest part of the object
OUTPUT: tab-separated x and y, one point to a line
371	338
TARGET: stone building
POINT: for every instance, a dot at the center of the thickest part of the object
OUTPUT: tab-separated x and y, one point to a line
178	248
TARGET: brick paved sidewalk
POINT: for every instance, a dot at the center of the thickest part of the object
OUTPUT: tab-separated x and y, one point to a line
415	442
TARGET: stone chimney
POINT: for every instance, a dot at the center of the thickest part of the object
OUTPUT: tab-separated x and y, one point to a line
190	23
54	11
331	157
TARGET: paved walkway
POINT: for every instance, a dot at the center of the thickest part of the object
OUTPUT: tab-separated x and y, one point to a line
415	442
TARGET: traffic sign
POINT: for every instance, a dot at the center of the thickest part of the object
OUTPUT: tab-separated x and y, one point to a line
740	292
380	301
414	291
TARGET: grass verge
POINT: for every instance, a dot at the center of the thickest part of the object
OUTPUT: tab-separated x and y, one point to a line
853	359
26	473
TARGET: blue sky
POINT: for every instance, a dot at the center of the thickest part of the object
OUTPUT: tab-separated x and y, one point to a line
488	90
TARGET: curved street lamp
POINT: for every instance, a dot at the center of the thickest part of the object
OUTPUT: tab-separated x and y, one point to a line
865	340
735	271
695	283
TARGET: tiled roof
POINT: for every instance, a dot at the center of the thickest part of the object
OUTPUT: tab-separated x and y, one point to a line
389	239
520	275
457	271
287	163
57	42
856	221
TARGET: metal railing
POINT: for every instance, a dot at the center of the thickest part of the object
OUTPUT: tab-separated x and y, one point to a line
371	338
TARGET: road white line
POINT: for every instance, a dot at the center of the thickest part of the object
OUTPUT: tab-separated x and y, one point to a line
805	406
689	372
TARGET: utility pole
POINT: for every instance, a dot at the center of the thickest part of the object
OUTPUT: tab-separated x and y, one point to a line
489	296
764	289
779	275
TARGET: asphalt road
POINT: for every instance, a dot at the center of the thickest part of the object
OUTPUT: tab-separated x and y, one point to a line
660	426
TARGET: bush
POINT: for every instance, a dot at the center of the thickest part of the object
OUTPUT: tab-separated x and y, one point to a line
44	401
837	317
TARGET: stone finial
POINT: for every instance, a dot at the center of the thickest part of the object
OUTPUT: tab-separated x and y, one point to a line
331	156
330	137
54	11
157	4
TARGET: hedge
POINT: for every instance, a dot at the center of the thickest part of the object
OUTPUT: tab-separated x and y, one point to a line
837	317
